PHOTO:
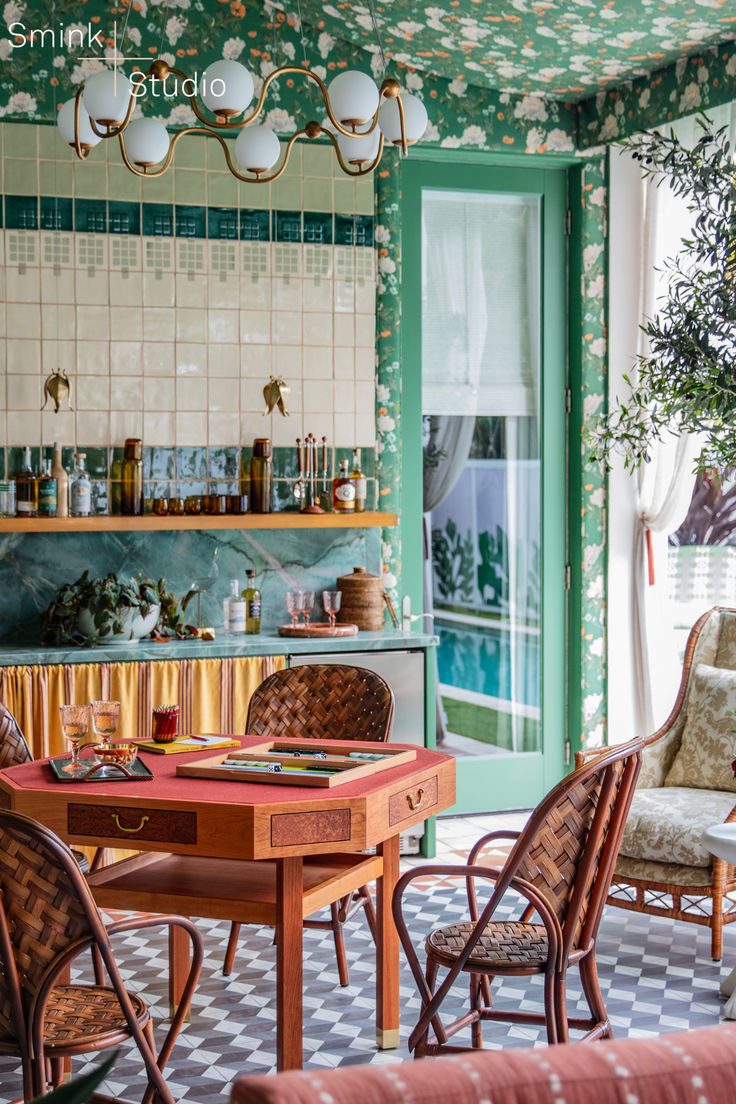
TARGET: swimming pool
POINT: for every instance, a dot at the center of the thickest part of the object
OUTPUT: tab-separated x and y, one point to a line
478	659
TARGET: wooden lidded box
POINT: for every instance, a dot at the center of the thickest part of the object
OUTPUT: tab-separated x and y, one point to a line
362	600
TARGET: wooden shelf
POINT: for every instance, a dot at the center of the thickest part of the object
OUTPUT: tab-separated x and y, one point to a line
115	523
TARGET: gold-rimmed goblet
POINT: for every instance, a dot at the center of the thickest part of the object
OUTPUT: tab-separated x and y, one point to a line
74	725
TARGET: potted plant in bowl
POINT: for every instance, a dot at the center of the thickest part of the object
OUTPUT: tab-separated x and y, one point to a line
111	611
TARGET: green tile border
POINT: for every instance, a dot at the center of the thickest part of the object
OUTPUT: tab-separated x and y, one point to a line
354	230
223	223
158	220
123	217
287	226
57	213
90	216
191	222
21	212
255	224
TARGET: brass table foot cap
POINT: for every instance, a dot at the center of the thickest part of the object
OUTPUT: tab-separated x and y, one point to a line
387	1040
173	1010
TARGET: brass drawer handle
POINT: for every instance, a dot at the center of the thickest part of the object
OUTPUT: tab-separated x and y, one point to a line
122	827
418	803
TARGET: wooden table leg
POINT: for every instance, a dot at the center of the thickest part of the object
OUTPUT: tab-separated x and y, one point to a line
289	965
180	947
387	950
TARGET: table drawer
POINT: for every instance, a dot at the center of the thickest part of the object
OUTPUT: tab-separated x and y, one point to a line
131	823
422	797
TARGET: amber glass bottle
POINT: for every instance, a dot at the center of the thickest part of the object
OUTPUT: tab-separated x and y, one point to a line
261	477
26	492
131	490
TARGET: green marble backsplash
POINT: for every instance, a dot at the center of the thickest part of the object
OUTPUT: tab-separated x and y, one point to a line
34	565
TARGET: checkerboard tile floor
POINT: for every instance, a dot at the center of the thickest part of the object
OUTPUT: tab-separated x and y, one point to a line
656	977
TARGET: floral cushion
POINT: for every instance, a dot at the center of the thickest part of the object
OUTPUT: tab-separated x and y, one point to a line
665	825
708	740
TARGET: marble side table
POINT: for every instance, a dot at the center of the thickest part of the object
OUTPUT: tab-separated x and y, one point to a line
720	840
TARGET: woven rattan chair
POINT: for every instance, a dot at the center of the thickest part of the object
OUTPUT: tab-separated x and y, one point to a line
47	918
328	702
561	866
663	868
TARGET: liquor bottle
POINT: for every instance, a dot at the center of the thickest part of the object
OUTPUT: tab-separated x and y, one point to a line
252	597
80	492
26	488
47	491
234	610
261	477
62	483
343	490
361	486
131	489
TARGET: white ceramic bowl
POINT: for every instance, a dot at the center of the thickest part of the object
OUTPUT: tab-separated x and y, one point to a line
134	626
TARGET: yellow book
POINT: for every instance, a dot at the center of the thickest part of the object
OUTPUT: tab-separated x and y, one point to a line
208	742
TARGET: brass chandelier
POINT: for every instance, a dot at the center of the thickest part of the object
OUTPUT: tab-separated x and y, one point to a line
360	118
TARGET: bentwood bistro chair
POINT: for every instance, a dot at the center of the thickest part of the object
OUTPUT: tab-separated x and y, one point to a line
47	919
560	866
328	702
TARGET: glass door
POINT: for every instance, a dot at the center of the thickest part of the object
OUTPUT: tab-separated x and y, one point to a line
484	348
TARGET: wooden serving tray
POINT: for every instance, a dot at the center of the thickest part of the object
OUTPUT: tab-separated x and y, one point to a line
320	628
299	763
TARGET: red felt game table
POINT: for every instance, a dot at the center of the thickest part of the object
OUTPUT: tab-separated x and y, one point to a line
251	852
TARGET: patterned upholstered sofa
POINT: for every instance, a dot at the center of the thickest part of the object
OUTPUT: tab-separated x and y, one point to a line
696	1067
686	784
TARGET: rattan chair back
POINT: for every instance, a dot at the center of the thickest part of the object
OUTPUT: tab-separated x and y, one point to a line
322	701
13	746
568	849
47	910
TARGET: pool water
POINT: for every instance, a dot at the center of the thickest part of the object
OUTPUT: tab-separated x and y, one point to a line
479	659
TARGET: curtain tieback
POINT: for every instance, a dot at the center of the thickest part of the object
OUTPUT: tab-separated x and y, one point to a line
650	555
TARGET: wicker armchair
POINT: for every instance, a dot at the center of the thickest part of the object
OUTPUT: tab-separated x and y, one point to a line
686	785
561	866
328	702
47	918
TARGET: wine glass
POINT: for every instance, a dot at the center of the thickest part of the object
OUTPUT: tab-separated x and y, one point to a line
74	725
307	605
105	717
331	602
293	605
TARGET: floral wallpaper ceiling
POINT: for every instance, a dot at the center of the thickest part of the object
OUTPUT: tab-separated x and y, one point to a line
563	49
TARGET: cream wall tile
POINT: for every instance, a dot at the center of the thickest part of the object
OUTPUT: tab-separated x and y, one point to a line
344	363
191	360
223	360
344	430
190	290
158	324
286	328
159	428
286	360
365	396
255	326
24	392
23	287
344	291
126	358
91	286
223	293
94	322
125	393
59	354
223	429
123	423
317	362
126	291
158	359
159	394
103	429
344	326
365	331
316	295
321	425
57	287
257	361
317	397
24	428
365	430
57	321
255	293
222	325
21	248
23	319
191	324
191	428
222	395
126	324
344	393
191	394
286	294
252	425
316	328
284	431
91	393
365	364
59	426
365	297
93	357
158	289
23	356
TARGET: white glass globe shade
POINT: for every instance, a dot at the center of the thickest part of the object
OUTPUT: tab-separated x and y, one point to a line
257	148
362	148
65	123
107	95
415	119
226	87
354	97
146	141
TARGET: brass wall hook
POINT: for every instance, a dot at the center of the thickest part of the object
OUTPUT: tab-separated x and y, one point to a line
57	388
276	393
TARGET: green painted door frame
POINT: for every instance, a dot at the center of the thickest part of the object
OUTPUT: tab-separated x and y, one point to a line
499	782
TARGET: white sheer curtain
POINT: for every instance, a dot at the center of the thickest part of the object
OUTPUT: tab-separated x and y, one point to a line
661	490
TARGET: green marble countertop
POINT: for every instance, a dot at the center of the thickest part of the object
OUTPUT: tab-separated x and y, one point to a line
265	643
